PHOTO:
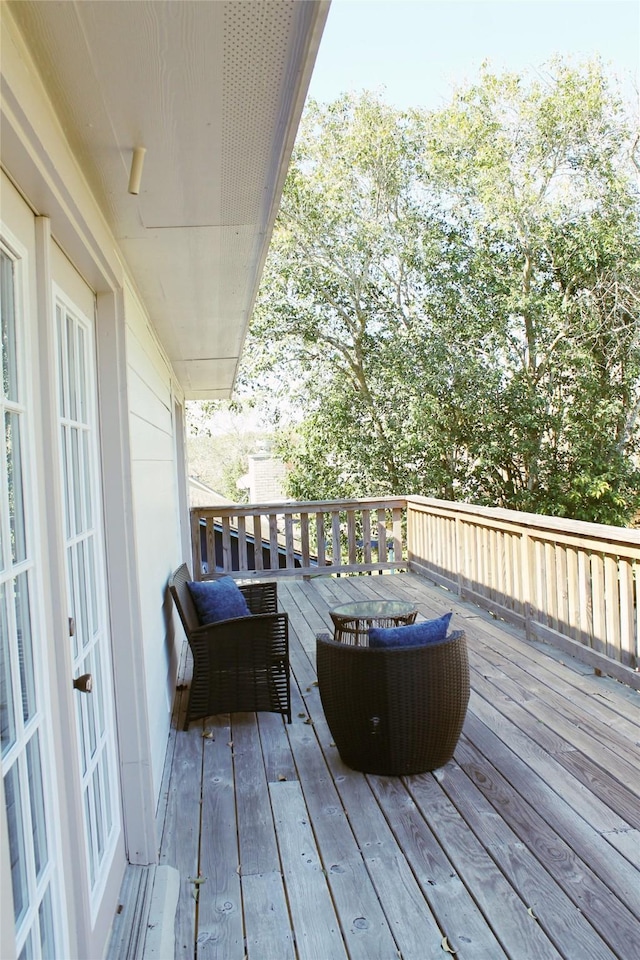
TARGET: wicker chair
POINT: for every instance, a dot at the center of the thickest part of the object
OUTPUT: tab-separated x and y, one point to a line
240	664
395	710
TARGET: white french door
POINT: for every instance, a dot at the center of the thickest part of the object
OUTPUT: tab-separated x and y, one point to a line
28	778
86	593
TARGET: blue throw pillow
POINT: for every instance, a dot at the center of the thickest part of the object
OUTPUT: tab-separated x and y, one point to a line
218	600
413	635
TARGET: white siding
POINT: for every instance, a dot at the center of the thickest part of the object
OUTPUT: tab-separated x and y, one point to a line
156	513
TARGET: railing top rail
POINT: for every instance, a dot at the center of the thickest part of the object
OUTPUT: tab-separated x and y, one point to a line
301	506
533	521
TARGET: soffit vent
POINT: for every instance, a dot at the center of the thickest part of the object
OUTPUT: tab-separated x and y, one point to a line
257	38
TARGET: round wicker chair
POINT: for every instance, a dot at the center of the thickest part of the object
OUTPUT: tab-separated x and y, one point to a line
395	710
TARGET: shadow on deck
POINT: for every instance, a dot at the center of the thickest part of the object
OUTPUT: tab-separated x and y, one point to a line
526	845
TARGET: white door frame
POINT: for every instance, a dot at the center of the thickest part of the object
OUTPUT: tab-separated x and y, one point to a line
136	773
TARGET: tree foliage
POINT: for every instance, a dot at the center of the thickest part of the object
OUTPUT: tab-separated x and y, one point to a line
219	443
451	300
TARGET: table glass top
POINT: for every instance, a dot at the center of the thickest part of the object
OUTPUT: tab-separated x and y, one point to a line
370	609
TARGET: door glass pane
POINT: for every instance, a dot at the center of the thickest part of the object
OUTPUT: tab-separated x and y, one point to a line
75	484
16	842
7	717
86	634
65	466
106	795
82	412
100	825
72	380
86	479
47	939
62	400
73	613
25	647
7	328
36	795
92	599
91	832
100	681
14	484
88	667
28	951
85	751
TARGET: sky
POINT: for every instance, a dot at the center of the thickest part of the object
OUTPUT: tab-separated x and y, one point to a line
415	52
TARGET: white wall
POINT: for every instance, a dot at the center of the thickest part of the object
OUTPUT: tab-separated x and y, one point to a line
156	516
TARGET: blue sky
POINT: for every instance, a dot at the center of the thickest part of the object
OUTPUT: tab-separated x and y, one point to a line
417	51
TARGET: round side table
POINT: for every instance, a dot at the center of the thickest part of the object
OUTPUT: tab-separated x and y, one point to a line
351	621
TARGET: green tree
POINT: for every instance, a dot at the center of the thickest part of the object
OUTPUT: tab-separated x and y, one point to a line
219	442
451	299
541	174
344	292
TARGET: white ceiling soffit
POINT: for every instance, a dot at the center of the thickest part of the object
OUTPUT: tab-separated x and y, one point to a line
214	91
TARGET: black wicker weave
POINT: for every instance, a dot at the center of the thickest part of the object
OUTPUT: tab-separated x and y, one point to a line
395	710
240	664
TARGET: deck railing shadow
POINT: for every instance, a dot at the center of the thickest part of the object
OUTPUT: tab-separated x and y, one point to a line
570	583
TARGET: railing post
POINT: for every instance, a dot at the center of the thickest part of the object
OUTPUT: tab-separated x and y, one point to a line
628	612
459	553
321	548
527	586
382	536
196	553
336	546
366	536
304	538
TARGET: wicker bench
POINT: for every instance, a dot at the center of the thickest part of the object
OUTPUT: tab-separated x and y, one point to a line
394	710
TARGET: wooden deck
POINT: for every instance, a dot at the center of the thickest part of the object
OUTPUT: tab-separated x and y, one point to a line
526	845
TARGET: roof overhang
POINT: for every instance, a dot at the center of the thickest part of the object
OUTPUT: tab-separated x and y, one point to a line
213	90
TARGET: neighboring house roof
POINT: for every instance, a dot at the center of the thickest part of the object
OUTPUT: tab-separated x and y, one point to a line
213	91
201	495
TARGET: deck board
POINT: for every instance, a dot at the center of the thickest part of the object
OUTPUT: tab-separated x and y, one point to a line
267	920
526	845
316	926
220	927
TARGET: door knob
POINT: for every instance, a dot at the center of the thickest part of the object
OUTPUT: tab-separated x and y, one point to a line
84	683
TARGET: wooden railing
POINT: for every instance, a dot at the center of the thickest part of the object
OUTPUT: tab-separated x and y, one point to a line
573	584
298	539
